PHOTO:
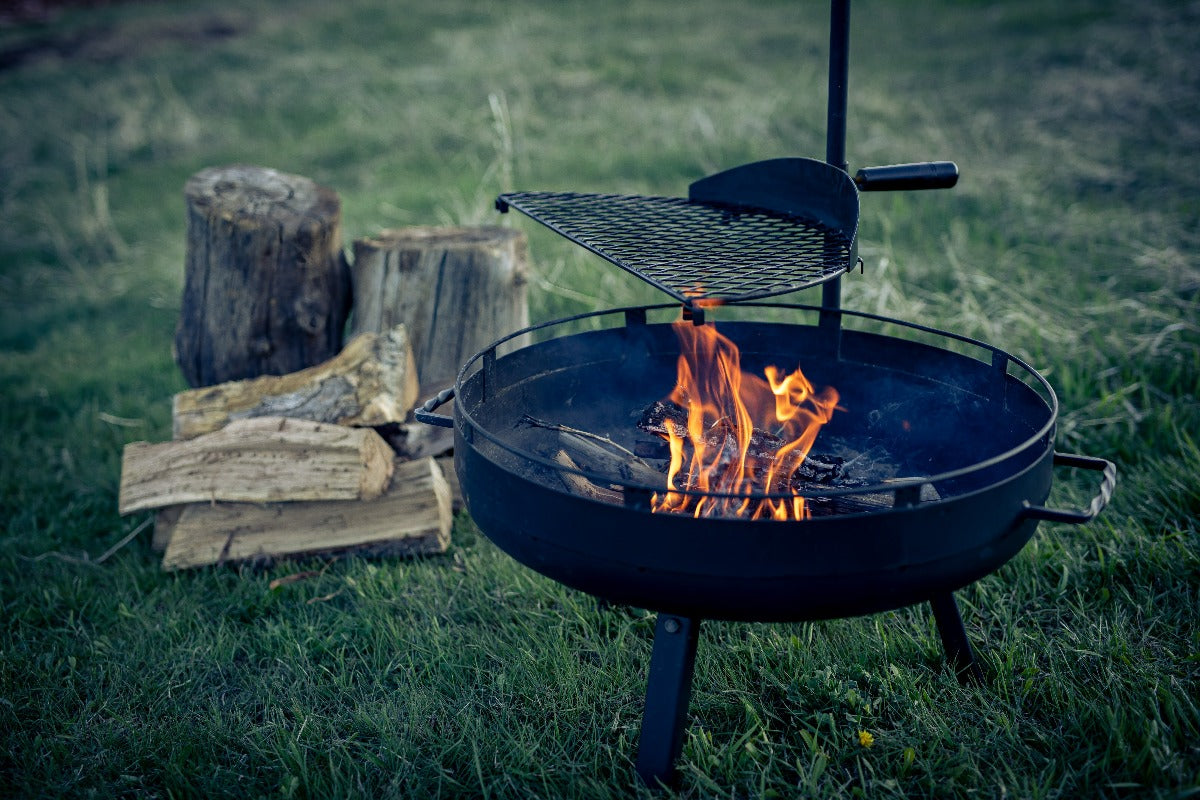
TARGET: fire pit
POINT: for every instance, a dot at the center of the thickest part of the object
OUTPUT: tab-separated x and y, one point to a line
921	461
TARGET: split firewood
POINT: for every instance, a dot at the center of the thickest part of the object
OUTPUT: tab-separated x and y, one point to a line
599	454
456	496
411	439
662	416
863	502
413	517
579	485
262	459
165	519
371	382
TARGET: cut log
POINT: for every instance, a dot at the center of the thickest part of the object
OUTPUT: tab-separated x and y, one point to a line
413	517
598	454
456	497
864	502
165	520
266	286
663	416
371	382
412	440
457	290
257	460
579	485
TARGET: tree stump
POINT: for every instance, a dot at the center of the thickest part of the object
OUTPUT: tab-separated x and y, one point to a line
266	287
456	290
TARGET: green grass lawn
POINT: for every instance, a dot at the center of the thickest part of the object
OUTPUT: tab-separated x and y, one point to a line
1071	241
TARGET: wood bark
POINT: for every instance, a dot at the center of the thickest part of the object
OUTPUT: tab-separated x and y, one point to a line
372	382
257	460
413	517
266	286
457	290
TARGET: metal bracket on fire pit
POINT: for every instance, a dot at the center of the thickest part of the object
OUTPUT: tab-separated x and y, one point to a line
754	231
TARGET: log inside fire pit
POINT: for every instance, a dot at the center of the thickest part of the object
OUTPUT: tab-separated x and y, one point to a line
646	464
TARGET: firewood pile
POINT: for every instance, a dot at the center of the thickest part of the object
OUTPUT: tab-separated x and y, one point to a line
289	443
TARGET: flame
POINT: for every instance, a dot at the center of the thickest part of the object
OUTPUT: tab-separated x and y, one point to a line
744	435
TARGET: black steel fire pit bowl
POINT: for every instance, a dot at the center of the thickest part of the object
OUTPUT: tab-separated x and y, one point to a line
974	423
967	428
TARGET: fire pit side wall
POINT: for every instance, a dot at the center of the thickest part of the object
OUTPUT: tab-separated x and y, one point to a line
734	569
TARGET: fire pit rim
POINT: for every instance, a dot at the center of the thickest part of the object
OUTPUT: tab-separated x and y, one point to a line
1042	435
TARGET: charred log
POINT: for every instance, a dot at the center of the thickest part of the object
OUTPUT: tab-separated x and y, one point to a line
664	417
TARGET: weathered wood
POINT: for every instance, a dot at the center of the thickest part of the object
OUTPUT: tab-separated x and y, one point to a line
411	439
624	468
165	520
664	417
266	286
864	502
371	382
599	454
457	290
413	517
456	497
257	460
579	485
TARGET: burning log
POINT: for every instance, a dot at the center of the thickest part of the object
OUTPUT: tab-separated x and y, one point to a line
590	452
371	382
412	517
662	416
257	460
266	288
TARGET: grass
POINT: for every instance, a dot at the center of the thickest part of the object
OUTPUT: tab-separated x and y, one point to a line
1070	241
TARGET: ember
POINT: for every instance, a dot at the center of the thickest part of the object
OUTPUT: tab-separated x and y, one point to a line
739	435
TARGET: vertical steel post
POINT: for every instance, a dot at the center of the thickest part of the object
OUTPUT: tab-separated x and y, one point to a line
835	133
668	689
839	70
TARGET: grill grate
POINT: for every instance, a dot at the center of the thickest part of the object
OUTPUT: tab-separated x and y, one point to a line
694	250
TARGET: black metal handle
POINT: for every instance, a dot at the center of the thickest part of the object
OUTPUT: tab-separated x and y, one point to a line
925	175
425	413
1107	482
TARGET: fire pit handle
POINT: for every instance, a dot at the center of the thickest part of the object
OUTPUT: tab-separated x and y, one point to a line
1107	482
425	413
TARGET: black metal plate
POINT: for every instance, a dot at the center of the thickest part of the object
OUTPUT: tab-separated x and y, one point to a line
695	250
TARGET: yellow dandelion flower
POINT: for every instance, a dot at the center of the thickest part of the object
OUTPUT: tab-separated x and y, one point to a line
866	739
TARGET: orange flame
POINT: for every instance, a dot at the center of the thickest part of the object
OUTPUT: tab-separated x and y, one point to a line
744	435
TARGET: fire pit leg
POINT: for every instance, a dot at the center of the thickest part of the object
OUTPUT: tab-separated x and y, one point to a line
954	638
668	689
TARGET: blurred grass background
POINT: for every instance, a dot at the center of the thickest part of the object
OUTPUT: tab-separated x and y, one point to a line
1070	241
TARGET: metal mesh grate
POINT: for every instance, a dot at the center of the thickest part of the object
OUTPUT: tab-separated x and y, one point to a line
693	250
